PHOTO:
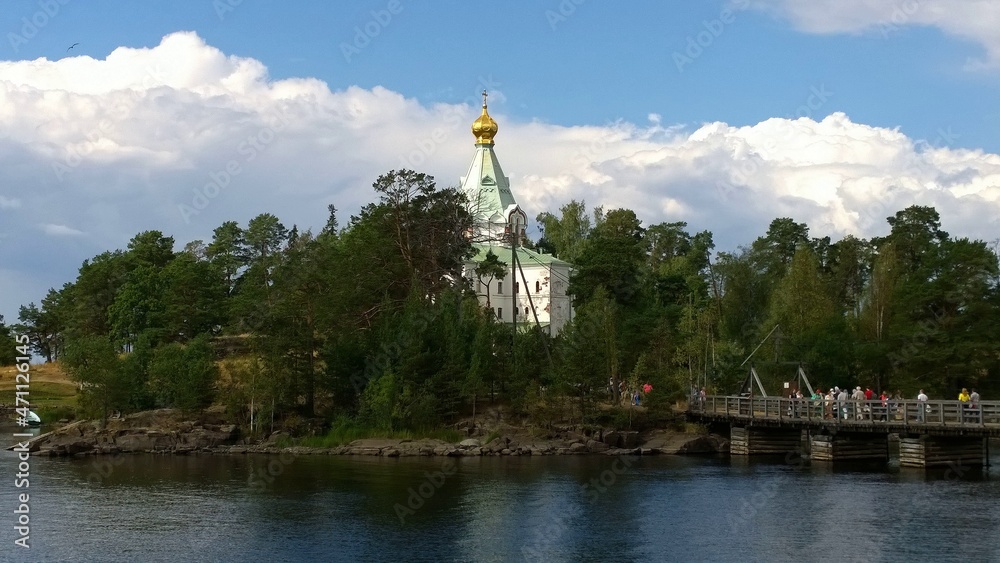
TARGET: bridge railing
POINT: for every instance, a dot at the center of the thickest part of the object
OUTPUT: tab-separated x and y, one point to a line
908	412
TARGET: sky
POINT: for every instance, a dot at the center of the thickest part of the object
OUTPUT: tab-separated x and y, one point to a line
120	117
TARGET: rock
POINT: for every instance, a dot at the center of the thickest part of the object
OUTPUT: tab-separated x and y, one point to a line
578	448
505	451
594	446
390	452
703	445
610	438
629	439
469	443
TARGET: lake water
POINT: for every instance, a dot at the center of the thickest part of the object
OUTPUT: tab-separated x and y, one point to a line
573	508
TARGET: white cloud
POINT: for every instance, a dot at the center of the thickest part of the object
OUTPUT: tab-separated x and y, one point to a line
61	230
113	149
9	203
973	20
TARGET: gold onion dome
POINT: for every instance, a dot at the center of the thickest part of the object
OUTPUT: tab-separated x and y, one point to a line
484	128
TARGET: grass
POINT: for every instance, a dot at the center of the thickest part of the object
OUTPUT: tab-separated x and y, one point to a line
50	391
346	431
491	436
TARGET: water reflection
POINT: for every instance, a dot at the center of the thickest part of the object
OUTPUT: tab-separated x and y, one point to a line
227	508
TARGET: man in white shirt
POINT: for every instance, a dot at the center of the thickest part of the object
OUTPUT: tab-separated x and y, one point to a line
921	405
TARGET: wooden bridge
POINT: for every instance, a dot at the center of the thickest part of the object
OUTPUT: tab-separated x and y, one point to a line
931	433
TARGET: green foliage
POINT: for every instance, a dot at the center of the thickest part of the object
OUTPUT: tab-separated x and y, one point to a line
8	345
183	376
374	324
93	362
343	431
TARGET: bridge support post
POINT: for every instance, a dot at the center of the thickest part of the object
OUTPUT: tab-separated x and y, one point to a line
849	446
942	451
753	440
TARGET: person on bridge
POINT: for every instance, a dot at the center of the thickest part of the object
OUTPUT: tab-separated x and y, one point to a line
974	407
921	405
859	401
964	398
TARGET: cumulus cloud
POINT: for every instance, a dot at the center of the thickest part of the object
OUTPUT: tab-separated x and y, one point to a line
61	231
181	137
973	20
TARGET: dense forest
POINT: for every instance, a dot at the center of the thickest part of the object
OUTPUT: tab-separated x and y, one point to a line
374	321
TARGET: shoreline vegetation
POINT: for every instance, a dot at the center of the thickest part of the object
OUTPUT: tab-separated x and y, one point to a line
171	431
378	328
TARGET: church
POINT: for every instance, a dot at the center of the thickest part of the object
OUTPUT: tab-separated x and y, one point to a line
533	289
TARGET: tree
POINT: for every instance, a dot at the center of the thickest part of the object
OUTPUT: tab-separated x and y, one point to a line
92	294
8	345
489	269
92	361
194	298
568	232
611	259
184	376
228	252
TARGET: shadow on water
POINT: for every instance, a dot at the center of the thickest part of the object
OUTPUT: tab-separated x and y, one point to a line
952	472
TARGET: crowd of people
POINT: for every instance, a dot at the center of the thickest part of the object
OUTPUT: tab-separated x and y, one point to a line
866	405
628	395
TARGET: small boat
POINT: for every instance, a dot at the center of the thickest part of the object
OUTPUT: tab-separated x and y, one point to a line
32	419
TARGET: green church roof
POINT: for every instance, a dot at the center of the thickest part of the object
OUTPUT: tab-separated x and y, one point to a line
525	256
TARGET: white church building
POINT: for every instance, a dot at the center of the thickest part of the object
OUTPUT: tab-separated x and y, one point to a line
534	289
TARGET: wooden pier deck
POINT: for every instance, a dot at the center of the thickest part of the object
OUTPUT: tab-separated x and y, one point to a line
903	417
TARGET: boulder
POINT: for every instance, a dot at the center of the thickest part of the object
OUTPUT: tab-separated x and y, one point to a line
629	439
469	443
578	448
594	446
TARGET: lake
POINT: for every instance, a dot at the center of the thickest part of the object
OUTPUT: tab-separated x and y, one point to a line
552	508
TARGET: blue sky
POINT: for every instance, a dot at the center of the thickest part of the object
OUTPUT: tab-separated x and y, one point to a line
600	63
680	110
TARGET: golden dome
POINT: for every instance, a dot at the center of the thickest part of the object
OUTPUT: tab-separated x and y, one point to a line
484	128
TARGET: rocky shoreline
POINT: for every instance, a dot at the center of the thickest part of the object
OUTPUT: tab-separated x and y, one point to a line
167	431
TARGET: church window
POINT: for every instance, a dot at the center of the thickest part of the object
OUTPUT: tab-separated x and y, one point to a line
500	313
517	287
525	311
499	287
538	286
